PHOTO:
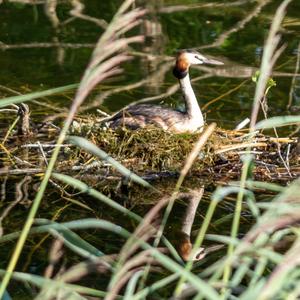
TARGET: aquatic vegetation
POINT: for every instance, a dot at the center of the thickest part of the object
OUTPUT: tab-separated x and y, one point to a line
246	183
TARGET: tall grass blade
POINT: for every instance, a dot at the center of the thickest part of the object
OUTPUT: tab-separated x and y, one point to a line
142	294
132	285
86	189
71	239
40	281
254	292
200	285
252	184
72	225
35	95
278	122
6	296
92	148
75	247
270	55
100	67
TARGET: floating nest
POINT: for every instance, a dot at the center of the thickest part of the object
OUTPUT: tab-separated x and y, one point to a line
152	150
154	153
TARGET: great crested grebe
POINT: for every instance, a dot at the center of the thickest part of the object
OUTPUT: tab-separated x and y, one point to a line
140	115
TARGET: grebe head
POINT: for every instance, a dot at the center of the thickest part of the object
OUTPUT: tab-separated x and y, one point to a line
186	58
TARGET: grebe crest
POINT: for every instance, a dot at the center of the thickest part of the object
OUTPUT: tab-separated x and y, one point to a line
192	120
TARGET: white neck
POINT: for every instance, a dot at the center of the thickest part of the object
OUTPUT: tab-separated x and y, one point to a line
192	106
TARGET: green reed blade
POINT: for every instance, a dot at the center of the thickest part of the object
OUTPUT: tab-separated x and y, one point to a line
35	95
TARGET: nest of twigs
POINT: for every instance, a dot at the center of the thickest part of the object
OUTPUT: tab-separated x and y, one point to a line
153	151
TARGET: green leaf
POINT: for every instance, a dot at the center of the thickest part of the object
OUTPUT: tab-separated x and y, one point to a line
73	240
131	286
58	284
31	96
278	122
255	76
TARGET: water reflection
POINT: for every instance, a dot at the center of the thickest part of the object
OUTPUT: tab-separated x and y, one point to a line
53	49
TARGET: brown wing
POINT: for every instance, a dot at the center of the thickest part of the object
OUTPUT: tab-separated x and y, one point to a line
140	115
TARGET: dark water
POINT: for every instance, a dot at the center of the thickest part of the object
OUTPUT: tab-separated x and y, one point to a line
30	69
29	63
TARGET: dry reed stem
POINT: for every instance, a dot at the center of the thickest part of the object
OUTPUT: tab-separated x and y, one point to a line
56	253
152	214
47	45
269	57
188	163
97	70
113	293
268	60
294	78
98	100
289	263
272	226
239	146
195	152
133	265
131	246
82	269
180	8
133	243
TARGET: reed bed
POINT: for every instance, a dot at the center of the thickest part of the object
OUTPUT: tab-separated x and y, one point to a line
261	262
